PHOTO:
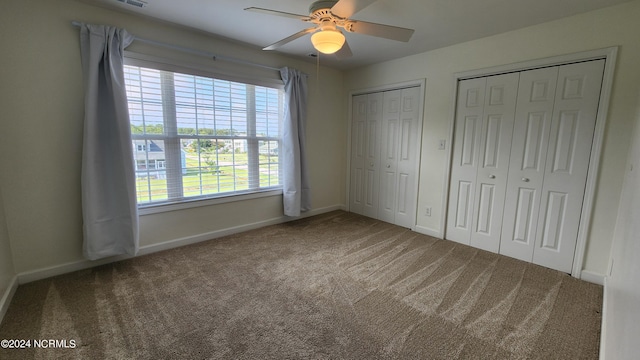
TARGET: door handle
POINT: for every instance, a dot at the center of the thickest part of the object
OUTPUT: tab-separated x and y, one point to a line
525	179
388	166
492	176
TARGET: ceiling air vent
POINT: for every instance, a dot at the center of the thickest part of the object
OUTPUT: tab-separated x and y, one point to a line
136	3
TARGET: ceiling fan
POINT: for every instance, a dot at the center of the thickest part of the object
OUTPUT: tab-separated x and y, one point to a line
328	17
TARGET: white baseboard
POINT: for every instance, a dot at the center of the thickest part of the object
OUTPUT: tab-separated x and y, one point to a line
592	277
7	296
149	249
428	231
39	274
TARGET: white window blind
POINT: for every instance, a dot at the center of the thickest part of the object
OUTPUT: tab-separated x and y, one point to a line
197	137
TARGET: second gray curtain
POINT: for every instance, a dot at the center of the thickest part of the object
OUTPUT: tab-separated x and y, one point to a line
295	178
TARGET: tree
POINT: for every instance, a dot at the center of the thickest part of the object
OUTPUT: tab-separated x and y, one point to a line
154	129
136	129
147	129
206	145
211	164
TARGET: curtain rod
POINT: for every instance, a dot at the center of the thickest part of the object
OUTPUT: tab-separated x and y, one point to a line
195	52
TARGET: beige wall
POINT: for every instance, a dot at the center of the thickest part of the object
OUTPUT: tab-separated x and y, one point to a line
612	26
41	107
7	271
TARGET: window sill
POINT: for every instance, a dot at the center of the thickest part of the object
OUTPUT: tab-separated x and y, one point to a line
188	204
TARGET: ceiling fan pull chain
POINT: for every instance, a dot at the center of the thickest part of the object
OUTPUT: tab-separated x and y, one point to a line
317	72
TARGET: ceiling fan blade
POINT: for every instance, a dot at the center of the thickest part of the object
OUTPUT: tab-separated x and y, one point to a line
290	38
380	30
346	8
344	52
278	13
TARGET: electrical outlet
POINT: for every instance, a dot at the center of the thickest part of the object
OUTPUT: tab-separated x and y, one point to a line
427	211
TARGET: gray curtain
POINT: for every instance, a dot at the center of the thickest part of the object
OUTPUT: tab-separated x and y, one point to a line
295	178
109	206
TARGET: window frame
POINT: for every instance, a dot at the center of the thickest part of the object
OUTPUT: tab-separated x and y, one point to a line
183	67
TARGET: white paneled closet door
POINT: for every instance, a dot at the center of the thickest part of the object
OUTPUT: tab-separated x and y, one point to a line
385	149
389	170
493	161
358	148
372	155
525	174
469	112
399	156
365	154
484	125
572	127
536	96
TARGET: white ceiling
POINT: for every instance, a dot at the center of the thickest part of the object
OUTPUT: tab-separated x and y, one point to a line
438	23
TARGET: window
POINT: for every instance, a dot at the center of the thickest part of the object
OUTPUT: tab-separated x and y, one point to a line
197	137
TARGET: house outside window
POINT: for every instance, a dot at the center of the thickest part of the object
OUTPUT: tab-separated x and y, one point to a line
197	137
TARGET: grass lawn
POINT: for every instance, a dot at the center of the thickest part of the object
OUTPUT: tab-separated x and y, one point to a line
203	181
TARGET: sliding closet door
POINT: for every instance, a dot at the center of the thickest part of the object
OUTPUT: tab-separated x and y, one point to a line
468	126
536	96
567	163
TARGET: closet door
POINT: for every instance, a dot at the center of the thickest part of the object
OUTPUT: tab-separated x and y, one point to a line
372	155
391	111
358	149
408	157
365	154
466	145
572	127
385	150
536	96
400	154
493	161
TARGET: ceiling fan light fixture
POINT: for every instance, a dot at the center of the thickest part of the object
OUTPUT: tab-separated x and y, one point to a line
328	41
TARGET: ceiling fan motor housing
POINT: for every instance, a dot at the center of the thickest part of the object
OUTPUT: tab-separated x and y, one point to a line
321	9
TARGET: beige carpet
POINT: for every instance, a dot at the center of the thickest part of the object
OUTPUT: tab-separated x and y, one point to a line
335	286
